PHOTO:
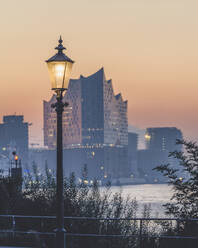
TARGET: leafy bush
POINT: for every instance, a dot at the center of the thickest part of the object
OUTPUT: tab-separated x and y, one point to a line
38	198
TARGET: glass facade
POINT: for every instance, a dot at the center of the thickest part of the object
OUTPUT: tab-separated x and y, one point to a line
95	116
163	139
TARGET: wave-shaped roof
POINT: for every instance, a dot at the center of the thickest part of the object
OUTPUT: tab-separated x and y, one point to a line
97	75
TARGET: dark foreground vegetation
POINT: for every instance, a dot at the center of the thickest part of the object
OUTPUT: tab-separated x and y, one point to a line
114	222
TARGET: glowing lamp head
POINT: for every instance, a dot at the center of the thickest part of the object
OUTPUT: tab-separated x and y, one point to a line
59	67
16	157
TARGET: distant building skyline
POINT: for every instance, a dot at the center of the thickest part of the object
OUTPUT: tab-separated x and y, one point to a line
163	138
14	136
160	141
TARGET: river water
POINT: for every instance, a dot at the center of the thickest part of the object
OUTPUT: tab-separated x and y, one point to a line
154	194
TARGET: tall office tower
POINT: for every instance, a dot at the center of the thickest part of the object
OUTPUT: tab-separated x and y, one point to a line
163	138
160	141
95	116
14	137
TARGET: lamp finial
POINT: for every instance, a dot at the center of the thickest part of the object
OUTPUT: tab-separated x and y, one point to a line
60	47
60	40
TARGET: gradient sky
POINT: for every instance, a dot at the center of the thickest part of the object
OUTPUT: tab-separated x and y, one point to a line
148	47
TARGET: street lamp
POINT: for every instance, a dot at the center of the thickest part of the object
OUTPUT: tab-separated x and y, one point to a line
15	158
59	67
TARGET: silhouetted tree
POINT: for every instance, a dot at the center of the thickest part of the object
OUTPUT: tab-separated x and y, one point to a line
184	201
10	194
80	200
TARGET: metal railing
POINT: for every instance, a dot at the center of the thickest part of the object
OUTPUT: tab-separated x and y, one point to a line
38	231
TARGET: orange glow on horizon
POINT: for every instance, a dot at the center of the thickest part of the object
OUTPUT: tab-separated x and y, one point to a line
148	48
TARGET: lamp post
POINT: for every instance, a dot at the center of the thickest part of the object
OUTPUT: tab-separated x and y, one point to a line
59	67
15	158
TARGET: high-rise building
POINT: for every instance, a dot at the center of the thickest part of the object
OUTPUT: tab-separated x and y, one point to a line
162	138
160	141
95	119
95	116
14	136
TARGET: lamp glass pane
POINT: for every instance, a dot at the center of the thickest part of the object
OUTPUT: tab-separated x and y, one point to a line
59	73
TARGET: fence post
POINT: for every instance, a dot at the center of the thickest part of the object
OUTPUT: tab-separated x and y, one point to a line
178	227
140	234
42	225
13	226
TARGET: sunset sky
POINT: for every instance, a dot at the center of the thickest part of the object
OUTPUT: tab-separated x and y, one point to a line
148	47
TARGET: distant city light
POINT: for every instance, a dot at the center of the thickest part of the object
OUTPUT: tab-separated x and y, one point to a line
147	136
4	148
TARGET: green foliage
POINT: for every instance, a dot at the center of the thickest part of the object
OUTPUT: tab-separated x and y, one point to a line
184	202
10	194
82	200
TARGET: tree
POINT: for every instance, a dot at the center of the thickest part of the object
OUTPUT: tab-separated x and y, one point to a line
10	196
184	201
80	200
